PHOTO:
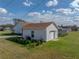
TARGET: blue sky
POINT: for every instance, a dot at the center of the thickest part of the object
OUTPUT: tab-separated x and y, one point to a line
60	11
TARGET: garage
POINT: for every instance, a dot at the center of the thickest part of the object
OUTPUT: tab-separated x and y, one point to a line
41	31
52	35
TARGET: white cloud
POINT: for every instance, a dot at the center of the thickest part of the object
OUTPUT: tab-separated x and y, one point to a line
51	3
27	3
43	15
34	14
75	4
49	12
66	11
43	11
6	20
6	13
38	14
76	10
3	11
58	19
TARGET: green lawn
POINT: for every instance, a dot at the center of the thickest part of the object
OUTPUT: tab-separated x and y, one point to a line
5	32
66	47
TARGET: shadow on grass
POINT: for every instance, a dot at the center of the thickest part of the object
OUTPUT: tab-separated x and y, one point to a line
28	43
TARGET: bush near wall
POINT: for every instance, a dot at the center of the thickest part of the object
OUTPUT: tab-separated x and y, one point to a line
27	43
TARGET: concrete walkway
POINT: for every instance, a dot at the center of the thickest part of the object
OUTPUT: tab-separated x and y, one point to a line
2	37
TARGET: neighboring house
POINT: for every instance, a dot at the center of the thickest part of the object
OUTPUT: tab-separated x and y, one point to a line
78	28
18	28
67	28
7	28
64	29
40	31
75	28
1	28
60	31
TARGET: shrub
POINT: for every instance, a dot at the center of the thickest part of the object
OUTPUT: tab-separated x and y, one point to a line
28	43
62	34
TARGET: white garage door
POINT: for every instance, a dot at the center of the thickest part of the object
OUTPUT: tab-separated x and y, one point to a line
52	35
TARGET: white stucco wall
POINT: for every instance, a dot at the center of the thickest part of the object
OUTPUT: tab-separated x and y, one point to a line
42	34
38	34
51	28
18	29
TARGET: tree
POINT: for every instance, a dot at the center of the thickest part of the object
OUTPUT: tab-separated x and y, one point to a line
74	28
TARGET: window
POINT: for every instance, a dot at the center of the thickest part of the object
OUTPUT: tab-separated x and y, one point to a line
32	34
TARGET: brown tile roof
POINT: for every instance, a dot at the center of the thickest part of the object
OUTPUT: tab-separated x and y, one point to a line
37	25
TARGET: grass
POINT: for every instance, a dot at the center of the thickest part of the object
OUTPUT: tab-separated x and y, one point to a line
66	48
6	33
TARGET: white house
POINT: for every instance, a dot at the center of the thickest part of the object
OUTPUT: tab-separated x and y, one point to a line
40	31
65	29
18	28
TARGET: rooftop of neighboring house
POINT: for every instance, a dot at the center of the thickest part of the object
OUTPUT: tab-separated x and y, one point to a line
61	27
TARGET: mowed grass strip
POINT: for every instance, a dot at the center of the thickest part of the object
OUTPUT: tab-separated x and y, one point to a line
10	50
66	47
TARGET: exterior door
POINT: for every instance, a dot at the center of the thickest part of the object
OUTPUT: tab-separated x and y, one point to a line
52	35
